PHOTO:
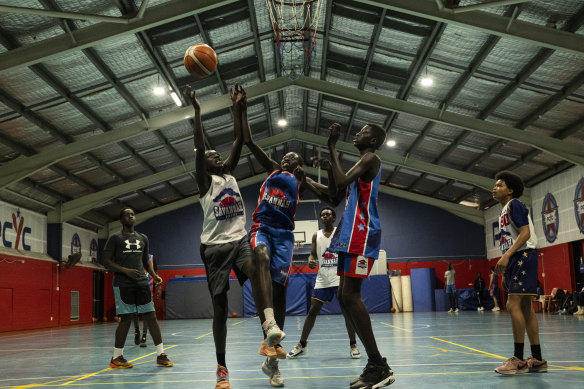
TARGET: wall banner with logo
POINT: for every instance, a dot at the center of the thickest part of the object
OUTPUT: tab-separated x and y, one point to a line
76	240
22	230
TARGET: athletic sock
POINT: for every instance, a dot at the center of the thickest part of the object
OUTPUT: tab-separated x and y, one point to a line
376	359
303	343
536	351
518	350
118	352
269	314
159	348
221	359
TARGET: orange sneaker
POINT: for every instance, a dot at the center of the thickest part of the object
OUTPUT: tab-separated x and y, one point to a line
266	351
280	352
222	378
163	360
513	365
120	363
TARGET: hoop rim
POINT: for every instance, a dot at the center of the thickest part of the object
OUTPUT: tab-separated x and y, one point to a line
307	2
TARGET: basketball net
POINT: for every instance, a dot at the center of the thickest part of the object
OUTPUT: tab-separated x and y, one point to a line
298	244
295	23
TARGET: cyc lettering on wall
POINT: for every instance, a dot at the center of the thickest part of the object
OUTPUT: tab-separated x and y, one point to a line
14	232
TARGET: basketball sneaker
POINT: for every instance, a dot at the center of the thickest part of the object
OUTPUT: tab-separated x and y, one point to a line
374	376
456	310
120	363
536	366
222	378
297	351
450	310
270	368
143	341
354	352
267	351
163	360
280	352
512	366
136	337
274	334
496	309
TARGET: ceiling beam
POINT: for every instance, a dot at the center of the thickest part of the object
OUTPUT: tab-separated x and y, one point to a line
489	23
23	167
100	33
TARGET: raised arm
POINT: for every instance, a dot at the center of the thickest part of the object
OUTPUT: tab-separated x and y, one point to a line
239	104
201	174
267	163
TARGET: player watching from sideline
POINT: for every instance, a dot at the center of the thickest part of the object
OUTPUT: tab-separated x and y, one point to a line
357	239
326	285
272	241
224	241
518	265
126	253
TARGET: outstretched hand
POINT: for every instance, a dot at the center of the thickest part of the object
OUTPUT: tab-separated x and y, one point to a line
238	96
191	97
322	163
335	133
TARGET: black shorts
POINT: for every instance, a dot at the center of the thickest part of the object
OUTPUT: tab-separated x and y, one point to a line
133	299
219	259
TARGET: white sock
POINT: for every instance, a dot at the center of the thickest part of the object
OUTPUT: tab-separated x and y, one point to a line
269	314
118	352
159	348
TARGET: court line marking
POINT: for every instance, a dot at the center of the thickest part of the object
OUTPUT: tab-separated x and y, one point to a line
109	368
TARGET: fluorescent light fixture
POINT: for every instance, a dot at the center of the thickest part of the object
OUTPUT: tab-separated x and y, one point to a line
427	81
158	90
391	143
176	99
282	122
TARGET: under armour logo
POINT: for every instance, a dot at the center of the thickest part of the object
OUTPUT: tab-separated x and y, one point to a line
130	244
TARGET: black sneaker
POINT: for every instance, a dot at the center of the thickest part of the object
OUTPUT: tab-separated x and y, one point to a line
143	341
137	337
376	376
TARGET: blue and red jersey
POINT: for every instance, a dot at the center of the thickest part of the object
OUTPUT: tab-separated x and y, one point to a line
278	200
359	231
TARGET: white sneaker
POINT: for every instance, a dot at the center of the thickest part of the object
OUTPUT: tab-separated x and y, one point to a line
580	311
274	335
354	352
450	310
456	310
297	351
270	368
496	309
479	309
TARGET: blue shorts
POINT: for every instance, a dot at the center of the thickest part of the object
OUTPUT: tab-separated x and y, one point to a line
280	245
133	299
450	288
353	265
521	273
325	295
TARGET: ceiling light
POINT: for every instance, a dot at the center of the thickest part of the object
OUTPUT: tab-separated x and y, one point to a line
391	143
176	99
158	90
427	81
282	122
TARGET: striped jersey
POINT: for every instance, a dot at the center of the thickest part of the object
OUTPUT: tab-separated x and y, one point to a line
278	200
513	216
359	231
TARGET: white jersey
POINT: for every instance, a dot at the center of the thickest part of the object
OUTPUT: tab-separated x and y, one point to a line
513	216
327	262
224	213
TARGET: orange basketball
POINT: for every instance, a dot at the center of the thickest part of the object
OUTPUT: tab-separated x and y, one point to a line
234	314
200	60
392	310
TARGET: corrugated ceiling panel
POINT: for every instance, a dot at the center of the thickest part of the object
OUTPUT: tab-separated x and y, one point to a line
109	152
178	130
230	31
99	178
350	51
520	104
159	159
67	119
352	28
461	157
25	133
28	29
443	81
445	131
365	116
459	45
479	140
75	163
44	175
71	188
176	50
424	99
25	86
562	115
559	70
128	168
430	148
382	88
124	55
109	106
98	7
508	57
74	70
477	93
539	12
400	40
143	141
141	90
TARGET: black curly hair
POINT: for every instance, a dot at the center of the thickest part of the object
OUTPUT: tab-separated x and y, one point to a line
513	182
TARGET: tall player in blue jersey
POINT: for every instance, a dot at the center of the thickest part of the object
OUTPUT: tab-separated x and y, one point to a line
518	265
357	238
272	241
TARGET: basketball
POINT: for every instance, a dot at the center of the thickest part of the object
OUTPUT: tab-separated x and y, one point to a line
392	310
234	314
200	60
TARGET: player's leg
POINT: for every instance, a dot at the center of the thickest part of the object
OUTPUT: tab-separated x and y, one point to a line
313	312
125	310
146	309
144	334
123	329
136	329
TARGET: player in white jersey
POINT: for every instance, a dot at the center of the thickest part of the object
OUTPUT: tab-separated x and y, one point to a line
224	242
518	265
326	285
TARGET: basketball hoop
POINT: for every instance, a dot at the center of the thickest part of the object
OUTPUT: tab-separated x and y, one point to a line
295	24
